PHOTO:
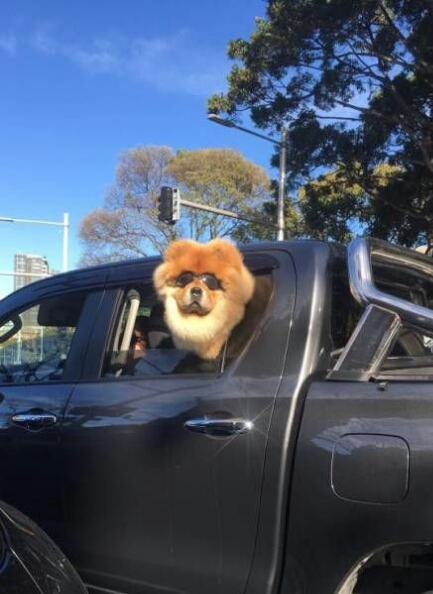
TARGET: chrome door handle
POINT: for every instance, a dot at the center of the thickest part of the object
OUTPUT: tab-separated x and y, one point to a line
31	420
219	427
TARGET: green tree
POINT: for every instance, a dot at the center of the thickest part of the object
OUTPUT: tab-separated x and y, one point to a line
354	83
337	206
294	227
127	225
220	178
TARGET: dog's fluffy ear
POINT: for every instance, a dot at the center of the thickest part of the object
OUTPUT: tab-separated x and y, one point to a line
228	253
178	248
224	251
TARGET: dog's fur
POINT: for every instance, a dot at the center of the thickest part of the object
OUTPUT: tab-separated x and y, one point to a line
202	323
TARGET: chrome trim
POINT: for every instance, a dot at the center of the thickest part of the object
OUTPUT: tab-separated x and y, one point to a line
219	427
34	420
361	251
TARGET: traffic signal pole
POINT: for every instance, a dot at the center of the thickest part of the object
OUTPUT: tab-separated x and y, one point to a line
169	203
226	213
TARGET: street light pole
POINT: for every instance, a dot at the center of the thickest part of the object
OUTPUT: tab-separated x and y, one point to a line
282	185
64	224
65	240
282	145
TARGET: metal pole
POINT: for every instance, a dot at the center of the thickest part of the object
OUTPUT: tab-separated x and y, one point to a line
212	117
36	221
36	274
65	240
282	144
226	213
282	185
64	224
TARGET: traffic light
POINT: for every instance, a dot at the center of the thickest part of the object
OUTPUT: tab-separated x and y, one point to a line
169	205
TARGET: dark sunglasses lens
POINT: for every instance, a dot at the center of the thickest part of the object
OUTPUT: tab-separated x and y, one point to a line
184	279
210	281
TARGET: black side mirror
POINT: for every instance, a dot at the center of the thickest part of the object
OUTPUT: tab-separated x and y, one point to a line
10	327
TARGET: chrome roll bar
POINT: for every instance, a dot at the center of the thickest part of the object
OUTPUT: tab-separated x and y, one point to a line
363	253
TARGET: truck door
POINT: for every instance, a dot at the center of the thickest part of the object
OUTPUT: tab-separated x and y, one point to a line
42	342
161	496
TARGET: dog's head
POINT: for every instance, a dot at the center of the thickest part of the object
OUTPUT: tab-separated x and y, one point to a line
205	288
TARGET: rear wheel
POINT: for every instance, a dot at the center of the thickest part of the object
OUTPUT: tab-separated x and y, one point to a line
405	569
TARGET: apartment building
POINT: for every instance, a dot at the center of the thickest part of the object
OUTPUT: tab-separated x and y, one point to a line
28	268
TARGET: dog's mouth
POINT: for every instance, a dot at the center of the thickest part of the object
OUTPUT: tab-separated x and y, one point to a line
195	308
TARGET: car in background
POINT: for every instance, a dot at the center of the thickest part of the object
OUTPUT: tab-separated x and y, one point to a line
30	563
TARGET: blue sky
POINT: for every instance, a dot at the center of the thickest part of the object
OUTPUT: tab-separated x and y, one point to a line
83	81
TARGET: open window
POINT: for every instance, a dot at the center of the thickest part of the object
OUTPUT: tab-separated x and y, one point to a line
141	344
141	313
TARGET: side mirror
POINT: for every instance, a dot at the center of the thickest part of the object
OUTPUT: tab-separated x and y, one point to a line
10	328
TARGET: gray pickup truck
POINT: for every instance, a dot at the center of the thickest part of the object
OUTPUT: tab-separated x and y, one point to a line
302	466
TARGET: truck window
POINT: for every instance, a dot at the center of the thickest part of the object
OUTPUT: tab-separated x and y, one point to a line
141	344
35	342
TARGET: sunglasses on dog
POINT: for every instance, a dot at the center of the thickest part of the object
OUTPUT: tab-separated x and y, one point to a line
211	282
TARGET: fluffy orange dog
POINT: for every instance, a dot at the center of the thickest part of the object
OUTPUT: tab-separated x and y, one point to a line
205	288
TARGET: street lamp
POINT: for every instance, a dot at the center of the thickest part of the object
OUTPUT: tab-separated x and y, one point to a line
282	144
64	224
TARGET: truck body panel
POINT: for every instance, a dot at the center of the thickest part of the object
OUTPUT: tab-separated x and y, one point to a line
327	491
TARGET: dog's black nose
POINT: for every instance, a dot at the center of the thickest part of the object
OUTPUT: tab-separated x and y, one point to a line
196	292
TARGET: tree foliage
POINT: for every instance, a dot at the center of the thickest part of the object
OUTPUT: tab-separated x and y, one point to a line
294	226
221	178
127	225
336	205
353	81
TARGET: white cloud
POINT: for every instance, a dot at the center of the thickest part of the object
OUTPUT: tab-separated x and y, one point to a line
177	64
42	41
100	56
149	49
8	44
166	63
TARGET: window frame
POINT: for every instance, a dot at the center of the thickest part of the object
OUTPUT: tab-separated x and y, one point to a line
77	351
